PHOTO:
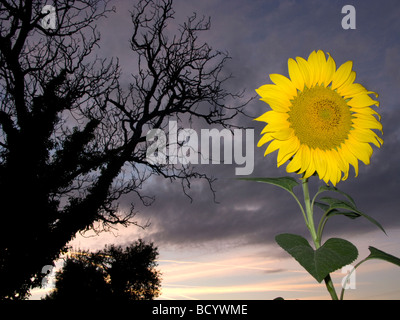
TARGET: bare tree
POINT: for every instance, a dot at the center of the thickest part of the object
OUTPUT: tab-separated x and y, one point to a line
73	139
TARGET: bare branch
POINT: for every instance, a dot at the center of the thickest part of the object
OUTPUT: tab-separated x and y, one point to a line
73	140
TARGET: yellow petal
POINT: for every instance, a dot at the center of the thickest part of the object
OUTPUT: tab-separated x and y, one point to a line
349	157
275	127
311	166
284	83
273	91
339	161
336	167
367	136
366	110
333	172
346	172
330	69
305	157
314	67
284	134
331	164
273	146
320	67
362	151
287	149
276	98
341	74
362	101
366	121
264	139
305	70
276	105
347	83
295	74
334	176
297	161
273	116
353	90
320	162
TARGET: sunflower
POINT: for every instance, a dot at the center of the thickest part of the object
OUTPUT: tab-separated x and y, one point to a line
320	119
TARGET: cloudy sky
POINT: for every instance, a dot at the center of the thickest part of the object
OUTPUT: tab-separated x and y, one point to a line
225	249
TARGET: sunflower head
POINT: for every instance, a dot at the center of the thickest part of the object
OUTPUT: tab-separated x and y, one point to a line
320	119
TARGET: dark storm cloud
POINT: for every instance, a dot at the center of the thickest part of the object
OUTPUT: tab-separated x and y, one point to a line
260	36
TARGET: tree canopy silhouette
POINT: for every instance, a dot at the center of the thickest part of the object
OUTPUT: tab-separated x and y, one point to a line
114	273
73	138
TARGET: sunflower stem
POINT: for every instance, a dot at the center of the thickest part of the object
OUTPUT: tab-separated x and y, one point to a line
315	236
330	287
309	213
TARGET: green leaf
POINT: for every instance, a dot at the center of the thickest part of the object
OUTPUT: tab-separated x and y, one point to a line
334	254
378	254
334	212
334	189
337	203
351	210
287	183
375	254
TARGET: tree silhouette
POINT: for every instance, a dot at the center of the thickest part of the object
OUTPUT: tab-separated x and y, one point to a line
73	138
114	273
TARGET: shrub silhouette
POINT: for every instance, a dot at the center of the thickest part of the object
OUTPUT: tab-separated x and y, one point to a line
114	273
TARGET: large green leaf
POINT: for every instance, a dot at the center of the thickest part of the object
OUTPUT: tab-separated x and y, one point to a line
334	254
351	211
287	183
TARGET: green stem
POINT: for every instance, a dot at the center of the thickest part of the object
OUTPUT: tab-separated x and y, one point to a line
321	225
330	287
309	213
301	207
356	266
316	237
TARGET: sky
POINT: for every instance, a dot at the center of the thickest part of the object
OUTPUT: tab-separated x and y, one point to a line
225	249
